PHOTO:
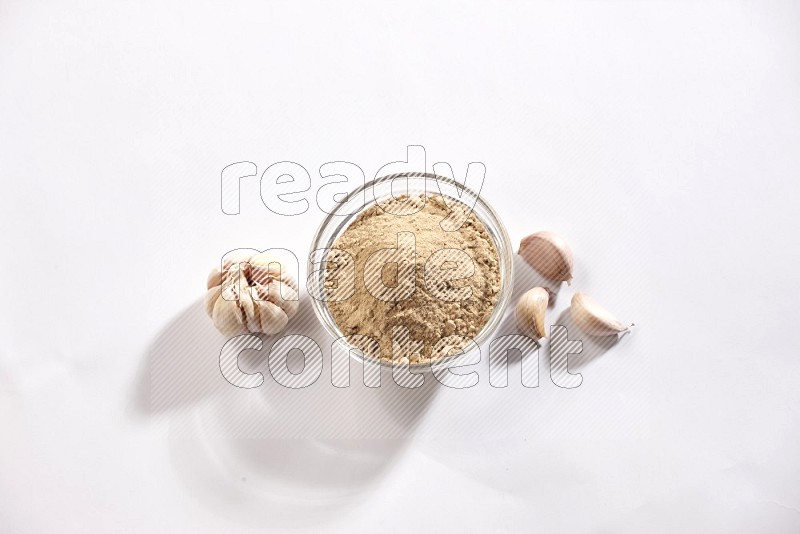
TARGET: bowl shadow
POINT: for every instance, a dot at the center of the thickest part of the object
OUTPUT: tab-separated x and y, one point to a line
273	455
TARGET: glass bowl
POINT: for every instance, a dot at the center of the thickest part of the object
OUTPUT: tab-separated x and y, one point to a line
379	189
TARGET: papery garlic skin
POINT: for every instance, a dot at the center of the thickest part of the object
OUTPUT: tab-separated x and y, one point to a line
593	318
549	254
251	294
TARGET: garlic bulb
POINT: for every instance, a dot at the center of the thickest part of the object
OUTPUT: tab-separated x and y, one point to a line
593	318
252	294
549	254
530	311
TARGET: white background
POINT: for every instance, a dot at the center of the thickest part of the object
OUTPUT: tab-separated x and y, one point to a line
661	139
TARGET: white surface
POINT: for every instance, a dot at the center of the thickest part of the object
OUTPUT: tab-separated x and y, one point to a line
660	139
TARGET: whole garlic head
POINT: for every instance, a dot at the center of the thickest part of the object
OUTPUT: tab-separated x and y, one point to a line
251	293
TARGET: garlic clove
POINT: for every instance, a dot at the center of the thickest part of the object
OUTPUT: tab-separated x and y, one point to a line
549	254
214	278
211	299
273	319
249	309
275	292
228	317
530	312
593	318
266	266
234	279
265	259
236	258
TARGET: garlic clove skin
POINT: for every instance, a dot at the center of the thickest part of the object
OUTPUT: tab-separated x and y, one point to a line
214	278
549	254
228	317
266	267
275	292
211	299
530	312
593	318
250	311
236	258
273	319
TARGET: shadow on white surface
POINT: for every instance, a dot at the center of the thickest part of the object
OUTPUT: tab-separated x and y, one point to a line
279	457
272	456
175	370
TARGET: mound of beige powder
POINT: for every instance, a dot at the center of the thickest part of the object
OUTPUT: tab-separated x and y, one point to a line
427	316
